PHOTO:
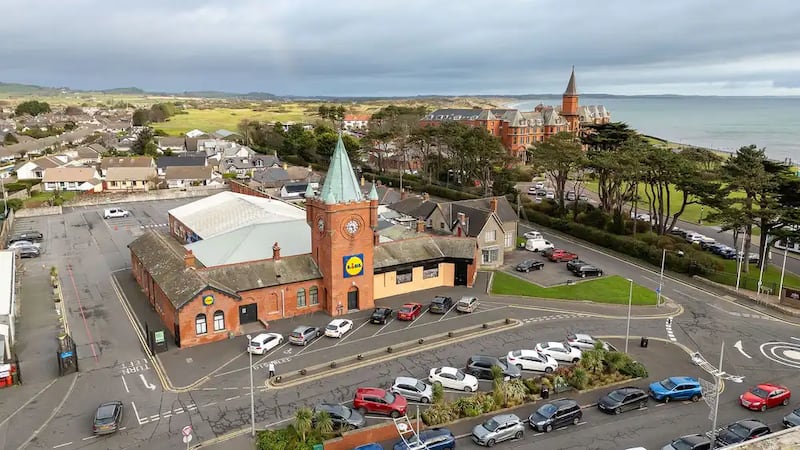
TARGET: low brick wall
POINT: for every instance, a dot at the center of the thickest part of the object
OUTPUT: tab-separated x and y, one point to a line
107	198
34	212
376	433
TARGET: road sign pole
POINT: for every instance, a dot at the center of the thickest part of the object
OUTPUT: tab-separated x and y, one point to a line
661	277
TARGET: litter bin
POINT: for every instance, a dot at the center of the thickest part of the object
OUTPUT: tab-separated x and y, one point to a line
545	392
644	341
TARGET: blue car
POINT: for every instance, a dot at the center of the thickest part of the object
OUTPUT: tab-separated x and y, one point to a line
372	446
433	438
676	388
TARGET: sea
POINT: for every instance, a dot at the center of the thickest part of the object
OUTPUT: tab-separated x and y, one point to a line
720	123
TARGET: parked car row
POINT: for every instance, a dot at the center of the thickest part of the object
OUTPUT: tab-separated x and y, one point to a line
711	245
26	245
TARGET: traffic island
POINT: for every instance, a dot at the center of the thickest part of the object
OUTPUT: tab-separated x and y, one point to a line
390	352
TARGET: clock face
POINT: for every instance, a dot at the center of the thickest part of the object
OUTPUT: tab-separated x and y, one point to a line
352	226
321	224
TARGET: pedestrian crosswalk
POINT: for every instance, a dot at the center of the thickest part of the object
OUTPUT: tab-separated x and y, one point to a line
552	317
154	225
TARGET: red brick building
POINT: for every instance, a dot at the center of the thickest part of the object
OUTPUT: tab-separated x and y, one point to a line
202	296
519	130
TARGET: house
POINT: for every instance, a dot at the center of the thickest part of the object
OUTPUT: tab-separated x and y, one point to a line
125	161
165	162
356	121
226	135
386	195
172	144
84	156
126	179
184	176
116	126
271	177
194	134
81	179
246	166
34	169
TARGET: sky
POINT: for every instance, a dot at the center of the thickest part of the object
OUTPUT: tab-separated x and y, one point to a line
406	47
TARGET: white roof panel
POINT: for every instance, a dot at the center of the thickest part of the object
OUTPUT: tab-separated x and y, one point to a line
6	282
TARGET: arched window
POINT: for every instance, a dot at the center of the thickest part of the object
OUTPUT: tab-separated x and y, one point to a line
219	321
301	298
200	326
313	295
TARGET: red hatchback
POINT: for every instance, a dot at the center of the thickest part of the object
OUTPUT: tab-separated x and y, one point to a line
379	401
409	311
559	255
764	396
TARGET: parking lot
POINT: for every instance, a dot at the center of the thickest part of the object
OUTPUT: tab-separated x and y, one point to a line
552	274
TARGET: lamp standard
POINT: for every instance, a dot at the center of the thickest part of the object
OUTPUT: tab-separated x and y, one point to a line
628	326
763	262
739	265
252	395
661	277
783	268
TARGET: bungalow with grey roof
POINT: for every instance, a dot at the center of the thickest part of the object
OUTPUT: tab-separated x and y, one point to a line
82	179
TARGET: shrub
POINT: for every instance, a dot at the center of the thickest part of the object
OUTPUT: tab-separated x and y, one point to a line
579	379
438	414
281	439
533	386
634	369
438	393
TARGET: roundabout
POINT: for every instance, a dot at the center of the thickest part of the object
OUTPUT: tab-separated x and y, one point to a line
782	352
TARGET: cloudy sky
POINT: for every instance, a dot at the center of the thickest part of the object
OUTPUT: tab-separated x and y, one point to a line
406	47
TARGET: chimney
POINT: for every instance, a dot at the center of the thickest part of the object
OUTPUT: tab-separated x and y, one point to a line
426	197
189	260
403	194
493	204
420	225
276	252
376	238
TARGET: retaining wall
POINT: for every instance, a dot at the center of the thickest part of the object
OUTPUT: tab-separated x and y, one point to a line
34	212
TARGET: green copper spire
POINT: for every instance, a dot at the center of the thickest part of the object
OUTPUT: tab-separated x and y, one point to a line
309	191
373	193
341	183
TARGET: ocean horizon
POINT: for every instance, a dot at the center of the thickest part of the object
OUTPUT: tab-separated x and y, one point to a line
719	123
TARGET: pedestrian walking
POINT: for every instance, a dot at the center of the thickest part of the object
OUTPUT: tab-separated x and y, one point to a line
271	369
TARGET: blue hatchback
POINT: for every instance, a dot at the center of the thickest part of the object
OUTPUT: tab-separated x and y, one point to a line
676	388
433	438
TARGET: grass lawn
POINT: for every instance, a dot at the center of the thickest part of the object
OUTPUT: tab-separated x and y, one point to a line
40	197
772	275
611	289
214	119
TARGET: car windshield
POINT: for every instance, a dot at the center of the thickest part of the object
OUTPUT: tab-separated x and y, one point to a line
332	326
105	412
438	300
758	392
378	312
491	424
420	386
739	430
297	334
617	396
406	309
547	411
680	444
516	353
388	397
341	411
668	384
502	365
459	375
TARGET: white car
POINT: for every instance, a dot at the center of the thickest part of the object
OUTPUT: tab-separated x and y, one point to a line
264	342
694	238
20	244
453	378
338	327
583	341
533	234
550	195
559	351
539	185
532	360
115	212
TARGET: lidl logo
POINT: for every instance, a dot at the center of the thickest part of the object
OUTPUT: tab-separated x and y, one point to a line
353	265
208	300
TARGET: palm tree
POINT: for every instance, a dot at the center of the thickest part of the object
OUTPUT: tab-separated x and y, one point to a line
592	360
302	422
616	360
323	424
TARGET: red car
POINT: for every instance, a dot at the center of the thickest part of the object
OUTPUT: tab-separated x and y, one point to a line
560	255
764	396
409	311
379	401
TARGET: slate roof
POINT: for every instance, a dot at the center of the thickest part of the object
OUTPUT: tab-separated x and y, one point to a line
386	195
414	207
188	173
48	162
69	174
271	175
505	211
414	251
255	275
172	141
126	161
98	148
130	173
571	89
180	161
87	152
341	184
476	218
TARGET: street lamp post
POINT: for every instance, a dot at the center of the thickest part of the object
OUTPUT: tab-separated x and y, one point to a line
762	262
783	268
628	326
739	265
717	385
661	277
252	395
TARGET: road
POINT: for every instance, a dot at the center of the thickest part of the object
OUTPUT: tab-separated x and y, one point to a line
87	248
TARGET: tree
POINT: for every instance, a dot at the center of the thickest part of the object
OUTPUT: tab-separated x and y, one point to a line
301	143
333	113
32	107
323	424
604	143
144	144
10	139
697	179
477	154
303	419
73	111
141	117
558	156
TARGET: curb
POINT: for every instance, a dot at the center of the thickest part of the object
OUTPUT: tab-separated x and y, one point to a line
412	347
675	313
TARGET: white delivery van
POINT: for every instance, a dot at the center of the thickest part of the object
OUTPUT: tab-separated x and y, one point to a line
538	245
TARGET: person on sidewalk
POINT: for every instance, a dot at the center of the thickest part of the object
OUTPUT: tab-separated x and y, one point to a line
271	369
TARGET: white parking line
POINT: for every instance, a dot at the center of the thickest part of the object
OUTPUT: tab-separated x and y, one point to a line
89	437
63	445
381	328
417	319
136	413
232	398
209	404
125	384
351	332
446	313
305	347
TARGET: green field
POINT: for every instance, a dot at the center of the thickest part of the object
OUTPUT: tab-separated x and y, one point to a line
228	118
40	197
611	289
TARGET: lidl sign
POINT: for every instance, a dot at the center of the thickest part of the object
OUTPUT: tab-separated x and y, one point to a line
353	265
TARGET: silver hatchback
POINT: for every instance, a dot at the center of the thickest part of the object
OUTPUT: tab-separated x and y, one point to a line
413	389
498	429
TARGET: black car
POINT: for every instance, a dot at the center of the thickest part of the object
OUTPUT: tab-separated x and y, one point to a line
740	431
792	419
440	304
572	265
556	414
33	236
381	315
528	265
689	442
588	270
341	416
107	418
481	367
623	399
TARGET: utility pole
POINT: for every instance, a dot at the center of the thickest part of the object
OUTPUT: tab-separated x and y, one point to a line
741	256
783	267
628	326
762	262
717	385
661	277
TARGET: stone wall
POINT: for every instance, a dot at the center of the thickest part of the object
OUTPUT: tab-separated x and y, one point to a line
43	211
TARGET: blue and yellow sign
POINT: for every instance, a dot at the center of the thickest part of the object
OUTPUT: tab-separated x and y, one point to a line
353	265
208	300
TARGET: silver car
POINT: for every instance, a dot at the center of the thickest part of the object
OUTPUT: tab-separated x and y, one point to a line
498	429
413	389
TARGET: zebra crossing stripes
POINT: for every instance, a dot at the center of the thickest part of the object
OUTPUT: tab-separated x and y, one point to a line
670	333
154	225
552	317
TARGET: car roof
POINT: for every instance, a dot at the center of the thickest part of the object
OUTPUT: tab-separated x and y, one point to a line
431	432
554	344
263	336
694	438
370	391
467	298
583	336
382	308
405	380
563	402
770	386
337	321
506	418
525	352
411	304
450	370
302	328
683	380
628	390
440	297
749	423
482	357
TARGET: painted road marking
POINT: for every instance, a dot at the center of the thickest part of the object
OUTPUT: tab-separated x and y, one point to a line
147	385
553	317
670	333
232	398
351	332
125	384
89	437
136	366
384	326
786	353
63	445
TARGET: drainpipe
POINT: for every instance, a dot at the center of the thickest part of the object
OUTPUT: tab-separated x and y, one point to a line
283	305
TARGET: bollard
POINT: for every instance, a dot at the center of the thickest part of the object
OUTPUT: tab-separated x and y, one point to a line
303	371
643	342
421	341
545	393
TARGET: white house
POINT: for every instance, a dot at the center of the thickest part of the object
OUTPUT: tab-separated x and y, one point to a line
356	121
8	302
34	169
185	176
82	179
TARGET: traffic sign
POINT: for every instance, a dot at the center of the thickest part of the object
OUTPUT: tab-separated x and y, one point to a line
658	290
187	439
187	430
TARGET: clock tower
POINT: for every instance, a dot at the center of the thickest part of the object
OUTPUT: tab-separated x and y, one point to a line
343	223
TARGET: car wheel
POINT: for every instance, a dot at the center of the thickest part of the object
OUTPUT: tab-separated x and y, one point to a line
425	400
362	411
600	274
395	414
763	408
666	399
575	360
695	398
490	443
519	366
576	420
467	389
548	370
618	410
785	402
548	428
643	404
518	435
305	343
583	275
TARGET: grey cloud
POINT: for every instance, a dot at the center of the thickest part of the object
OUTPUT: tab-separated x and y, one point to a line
363	47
